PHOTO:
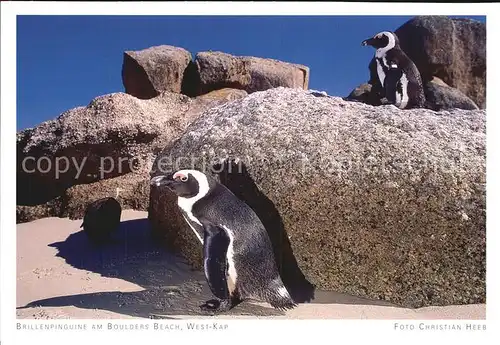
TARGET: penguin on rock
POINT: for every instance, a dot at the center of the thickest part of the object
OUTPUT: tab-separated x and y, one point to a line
393	75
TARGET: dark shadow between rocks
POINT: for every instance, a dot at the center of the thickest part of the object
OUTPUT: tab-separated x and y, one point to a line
135	79
191	80
236	177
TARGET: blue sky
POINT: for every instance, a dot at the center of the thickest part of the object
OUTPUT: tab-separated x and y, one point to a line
66	61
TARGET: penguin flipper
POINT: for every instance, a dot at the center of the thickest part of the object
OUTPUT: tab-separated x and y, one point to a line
391	82
197	229
377	88
215	244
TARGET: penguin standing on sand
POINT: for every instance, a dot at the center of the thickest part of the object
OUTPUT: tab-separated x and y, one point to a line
238	257
393	74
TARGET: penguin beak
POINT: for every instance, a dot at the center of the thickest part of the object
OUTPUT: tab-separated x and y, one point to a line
161	180
368	42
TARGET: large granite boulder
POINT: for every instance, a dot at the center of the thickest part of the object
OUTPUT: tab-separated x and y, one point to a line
440	96
452	49
131	190
114	135
217	70
149	72
270	73
371	201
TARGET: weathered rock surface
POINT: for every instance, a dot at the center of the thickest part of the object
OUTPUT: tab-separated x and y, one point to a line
269	73
52	208
114	135
131	190
373	201
440	96
149	72
449	48
218	70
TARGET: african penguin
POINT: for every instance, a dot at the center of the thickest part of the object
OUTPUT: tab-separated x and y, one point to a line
101	219
394	74
238	257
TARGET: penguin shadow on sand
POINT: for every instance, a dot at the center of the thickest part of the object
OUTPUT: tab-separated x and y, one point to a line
235	176
169	285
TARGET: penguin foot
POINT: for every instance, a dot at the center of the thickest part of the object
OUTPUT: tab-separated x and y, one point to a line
216	306
384	101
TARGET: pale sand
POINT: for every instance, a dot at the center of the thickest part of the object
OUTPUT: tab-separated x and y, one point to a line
63	276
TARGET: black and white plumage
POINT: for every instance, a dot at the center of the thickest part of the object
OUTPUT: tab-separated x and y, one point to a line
101	219
238	257
393	74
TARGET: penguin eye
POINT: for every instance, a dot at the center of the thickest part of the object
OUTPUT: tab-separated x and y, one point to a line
184	178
